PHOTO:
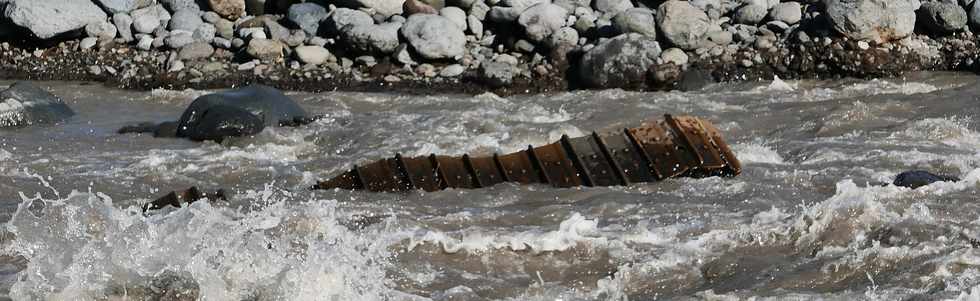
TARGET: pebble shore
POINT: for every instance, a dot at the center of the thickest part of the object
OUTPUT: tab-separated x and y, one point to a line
472	46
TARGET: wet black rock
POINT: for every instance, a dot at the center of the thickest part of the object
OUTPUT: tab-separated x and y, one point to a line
26	104
663	76
694	80
496	74
169	285
234	113
240	112
218	122
918	178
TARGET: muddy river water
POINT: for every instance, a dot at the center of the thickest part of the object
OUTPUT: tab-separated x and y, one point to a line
811	217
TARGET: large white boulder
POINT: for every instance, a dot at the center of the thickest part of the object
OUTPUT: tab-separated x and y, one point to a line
434	37
541	20
619	62
682	24
46	19
873	20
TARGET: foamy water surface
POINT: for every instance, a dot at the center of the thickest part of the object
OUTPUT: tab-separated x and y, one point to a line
812	217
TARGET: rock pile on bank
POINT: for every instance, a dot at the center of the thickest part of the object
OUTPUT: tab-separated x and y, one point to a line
609	43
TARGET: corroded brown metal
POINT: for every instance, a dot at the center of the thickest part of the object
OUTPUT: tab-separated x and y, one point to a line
188	196
681	146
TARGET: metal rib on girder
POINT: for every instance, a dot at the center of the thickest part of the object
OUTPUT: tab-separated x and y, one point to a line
673	147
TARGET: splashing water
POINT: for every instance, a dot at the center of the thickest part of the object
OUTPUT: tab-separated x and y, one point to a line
85	247
812	217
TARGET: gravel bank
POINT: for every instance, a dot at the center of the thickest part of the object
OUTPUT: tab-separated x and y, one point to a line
507	47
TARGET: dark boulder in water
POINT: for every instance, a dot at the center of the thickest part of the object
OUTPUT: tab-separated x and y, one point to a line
240	112
220	121
918	178
234	113
26	104
268	103
694	80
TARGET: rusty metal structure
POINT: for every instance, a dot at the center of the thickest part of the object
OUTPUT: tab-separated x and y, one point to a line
677	146
188	196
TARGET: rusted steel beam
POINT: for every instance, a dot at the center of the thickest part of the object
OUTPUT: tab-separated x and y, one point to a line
677	146
177	199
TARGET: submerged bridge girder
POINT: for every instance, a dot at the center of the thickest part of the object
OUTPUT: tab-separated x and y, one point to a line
677	146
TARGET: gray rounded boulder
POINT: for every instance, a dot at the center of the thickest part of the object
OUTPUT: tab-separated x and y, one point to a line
942	17
638	20
496	74
541	20
974	15
46	19
186	19
334	24
382	7
307	16
229	9
434	37
619	62
371	38
873	20
175	5
26	104
123	6
751	14
787	12
682	24
456	14
147	19
612	6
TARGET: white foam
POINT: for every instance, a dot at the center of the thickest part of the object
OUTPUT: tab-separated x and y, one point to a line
953	131
880	86
501	108
166	95
780	91
717	106
644	233
574	230
754	152
538	114
970	181
778	84
12	112
461	142
840	225
711	186
828	156
564	129
688	103
274	145
972	295
83	247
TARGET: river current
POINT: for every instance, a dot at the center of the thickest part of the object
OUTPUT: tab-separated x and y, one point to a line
812	216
